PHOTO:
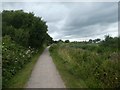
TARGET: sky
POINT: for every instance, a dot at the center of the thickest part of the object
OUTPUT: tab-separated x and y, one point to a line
74	21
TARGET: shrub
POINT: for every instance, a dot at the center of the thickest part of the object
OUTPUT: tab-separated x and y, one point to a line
96	65
14	57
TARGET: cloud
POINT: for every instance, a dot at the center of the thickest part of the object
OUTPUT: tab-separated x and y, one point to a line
73	21
60	1
91	14
90	20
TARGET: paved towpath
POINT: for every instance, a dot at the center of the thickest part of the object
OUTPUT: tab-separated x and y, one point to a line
45	74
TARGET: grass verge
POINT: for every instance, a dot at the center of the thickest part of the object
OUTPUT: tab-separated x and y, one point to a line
69	80
86	69
21	78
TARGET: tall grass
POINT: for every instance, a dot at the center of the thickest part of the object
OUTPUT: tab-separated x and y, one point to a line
94	65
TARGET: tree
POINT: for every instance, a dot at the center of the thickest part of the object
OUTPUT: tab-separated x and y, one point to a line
98	40
108	38
94	41
22	35
67	41
25	28
90	40
110	42
60	41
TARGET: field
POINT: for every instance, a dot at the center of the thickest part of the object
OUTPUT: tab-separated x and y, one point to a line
88	65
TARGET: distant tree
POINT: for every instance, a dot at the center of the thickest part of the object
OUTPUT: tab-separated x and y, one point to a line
60	40
67	41
108	38
90	40
98	40
85	42
110	42
55	41
94	41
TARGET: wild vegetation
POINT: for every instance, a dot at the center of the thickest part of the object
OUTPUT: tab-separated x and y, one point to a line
92	64
23	36
88	64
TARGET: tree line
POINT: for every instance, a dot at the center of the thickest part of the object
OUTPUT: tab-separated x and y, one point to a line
25	28
23	36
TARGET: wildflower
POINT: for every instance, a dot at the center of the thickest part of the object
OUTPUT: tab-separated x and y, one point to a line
27	51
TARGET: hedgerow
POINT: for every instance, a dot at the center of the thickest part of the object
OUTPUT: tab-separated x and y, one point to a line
14	57
23	35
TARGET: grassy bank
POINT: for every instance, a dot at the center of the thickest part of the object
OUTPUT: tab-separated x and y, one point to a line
87	66
69	79
21	78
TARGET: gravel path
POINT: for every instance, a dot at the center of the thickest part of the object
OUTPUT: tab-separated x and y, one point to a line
45	74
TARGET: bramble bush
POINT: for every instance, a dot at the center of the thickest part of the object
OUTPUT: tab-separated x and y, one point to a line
14	57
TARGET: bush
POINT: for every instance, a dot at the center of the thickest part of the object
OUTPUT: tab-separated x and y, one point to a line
23	34
14	57
96	65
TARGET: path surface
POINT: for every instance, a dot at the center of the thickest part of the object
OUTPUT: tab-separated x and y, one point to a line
45	74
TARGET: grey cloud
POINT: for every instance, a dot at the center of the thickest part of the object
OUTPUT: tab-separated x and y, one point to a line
106	13
89	22
61	1
94	31
74	21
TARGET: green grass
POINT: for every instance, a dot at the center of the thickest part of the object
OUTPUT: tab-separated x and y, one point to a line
69	80
82	68
21	78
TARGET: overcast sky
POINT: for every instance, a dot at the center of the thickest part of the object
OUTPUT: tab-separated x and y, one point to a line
76	21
